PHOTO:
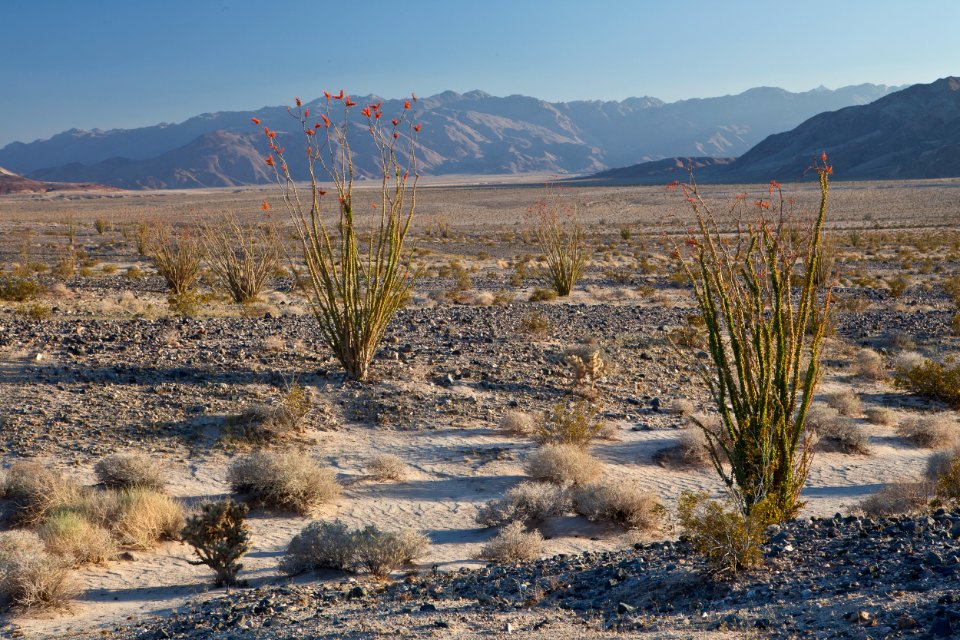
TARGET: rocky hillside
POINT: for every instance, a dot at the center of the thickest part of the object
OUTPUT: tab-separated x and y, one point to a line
13	183
463	133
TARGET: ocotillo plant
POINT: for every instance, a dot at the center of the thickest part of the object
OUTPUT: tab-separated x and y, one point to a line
355	286
241	256
561	238
765	331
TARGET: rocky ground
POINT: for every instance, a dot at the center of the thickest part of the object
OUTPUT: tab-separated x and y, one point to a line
839	577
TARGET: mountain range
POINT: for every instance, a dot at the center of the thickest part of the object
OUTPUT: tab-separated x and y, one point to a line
911	133
471	133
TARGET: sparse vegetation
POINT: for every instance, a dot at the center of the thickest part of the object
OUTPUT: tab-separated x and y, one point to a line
563	464
177	257
517	423
930	379
529	503
513	544
619	502
242	257
896	499
574	424
128	470
283	480
730	541
30	577
561	239
71	536
333	545
388	468
931	432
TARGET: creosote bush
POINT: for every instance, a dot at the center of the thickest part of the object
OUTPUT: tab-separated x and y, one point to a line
513	544
220	537
30	577
730	541
561	239
619	502
943	470
241	257
356	282
896	499
765	321
931	379
563	464
127	470
283	480
333	545
517	423
388	468
529	503
574	423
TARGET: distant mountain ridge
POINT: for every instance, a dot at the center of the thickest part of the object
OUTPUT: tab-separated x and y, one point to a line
472	132
10	182
911	133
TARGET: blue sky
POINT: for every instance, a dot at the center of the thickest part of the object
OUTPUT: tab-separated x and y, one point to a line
126	63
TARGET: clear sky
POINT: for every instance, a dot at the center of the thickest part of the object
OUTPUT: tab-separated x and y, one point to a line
127	63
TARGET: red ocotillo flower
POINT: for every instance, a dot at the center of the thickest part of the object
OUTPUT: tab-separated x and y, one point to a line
326	121
326	94
417	127
255	120
339	96
321	192
306	113
269	161
395	135
297	101
823	157
365	112
414	96
350	103
394	122
265	206
774	185
762	204
673	185
406	104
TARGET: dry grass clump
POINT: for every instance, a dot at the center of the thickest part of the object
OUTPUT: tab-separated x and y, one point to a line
267	424
513	544
880	415
868	364
126	470
930	432
847	403
388	468
897	498
619	502
943	470
563	464
681	407
30	577
528	503
691	450
574	424
333	545
36	490
71	536
283	480
844	435
141	518
517	423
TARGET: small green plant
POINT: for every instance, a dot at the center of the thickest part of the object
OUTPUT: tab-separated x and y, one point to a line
730	541
543	295
897	286
561	238
17	289
35	311
220	537
535	323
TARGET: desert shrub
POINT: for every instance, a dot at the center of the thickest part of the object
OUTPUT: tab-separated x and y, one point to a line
144	517
72	536
897	286
517	423
931	379
101	226
266	424
220	537
242	257
17	289
30	577
846	403
844	435
869	364
574	424
529	503
357	280
542	295
535	323
320	545
729	540
177	258
563	464
897	498
931	432
880	415
386	467
126	470
35	311
381	552
943	470
619	502
765	317
36	490
333	545
681	407
586	361
283	480
561	239
513	544
952	286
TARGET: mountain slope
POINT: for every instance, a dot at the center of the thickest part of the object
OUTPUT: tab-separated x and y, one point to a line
463	133
13	183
